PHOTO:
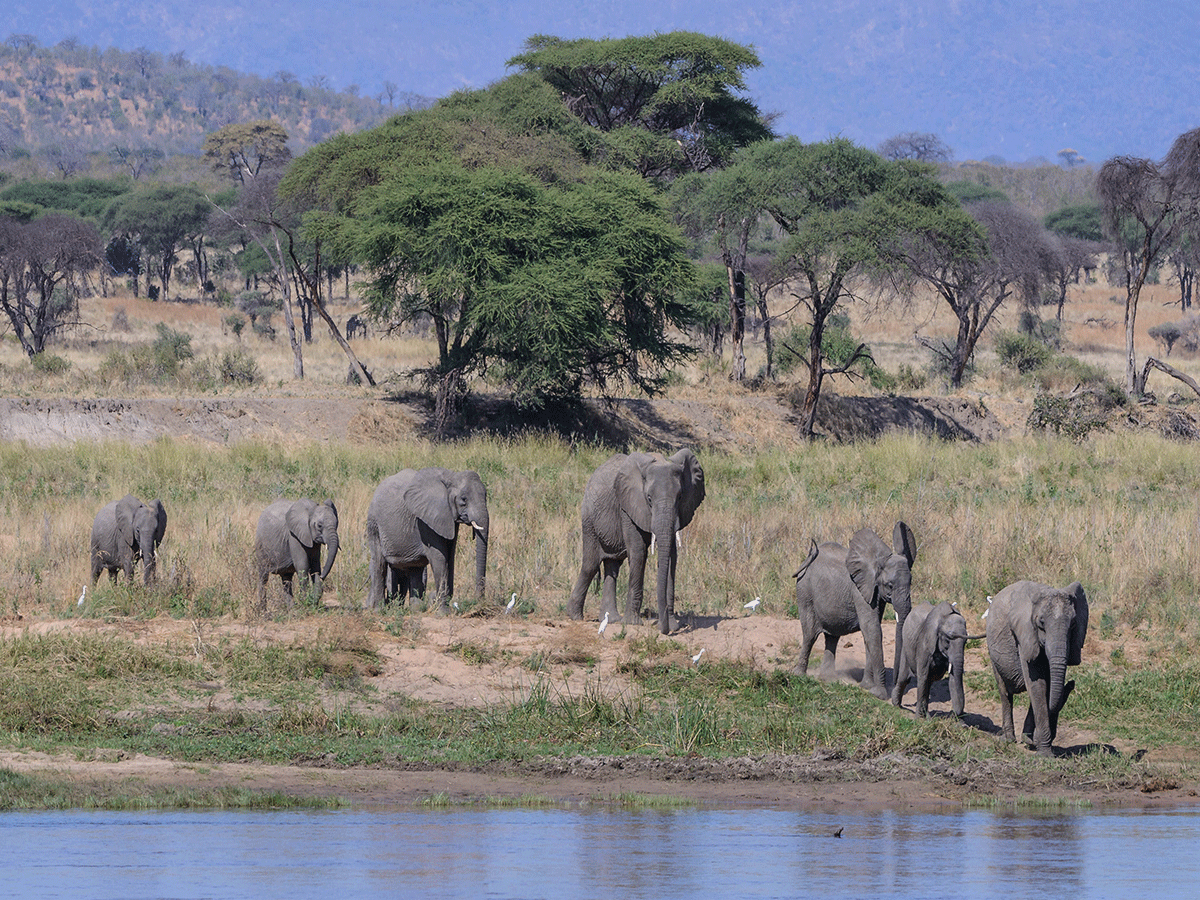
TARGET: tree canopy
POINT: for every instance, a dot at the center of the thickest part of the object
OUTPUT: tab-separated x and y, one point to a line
160	218
668	102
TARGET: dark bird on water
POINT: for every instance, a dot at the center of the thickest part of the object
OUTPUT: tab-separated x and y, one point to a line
838	833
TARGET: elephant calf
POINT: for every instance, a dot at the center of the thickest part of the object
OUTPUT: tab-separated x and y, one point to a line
288	542
935	641
1034	632
124	531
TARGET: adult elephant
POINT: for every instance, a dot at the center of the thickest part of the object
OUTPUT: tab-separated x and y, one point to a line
413	522
288	542
1034	632
631	502
935	642
124	531
841	590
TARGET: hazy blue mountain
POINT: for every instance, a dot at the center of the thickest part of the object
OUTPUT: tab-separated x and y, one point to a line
1013	78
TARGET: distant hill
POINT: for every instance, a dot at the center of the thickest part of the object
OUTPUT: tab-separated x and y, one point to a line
65	105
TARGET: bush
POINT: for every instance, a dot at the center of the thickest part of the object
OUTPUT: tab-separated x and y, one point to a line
1021	352
170	350
238	367
49	364
838	345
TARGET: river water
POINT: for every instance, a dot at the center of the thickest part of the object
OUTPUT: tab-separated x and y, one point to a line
601	853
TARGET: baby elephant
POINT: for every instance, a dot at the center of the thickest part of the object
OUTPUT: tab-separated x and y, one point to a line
935	638
288	542
124	531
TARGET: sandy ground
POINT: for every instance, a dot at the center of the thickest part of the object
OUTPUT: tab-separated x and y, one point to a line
427	662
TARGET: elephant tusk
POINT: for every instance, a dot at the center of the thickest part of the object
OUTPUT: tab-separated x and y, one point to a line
652	540
478	528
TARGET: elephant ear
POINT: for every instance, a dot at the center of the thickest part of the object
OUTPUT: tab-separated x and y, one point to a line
1079	629
299	521
866	553
630	487
329	502
904	542
127	508
429	498
693	485
160	520
1024	611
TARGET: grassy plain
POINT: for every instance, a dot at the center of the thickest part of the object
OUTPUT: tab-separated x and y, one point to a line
1120	512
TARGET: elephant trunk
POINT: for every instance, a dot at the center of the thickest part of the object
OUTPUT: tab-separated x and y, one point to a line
957	656
903	605
146	549
481	552
1056	653
331	550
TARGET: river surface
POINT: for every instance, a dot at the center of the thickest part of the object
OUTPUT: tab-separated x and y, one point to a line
601	853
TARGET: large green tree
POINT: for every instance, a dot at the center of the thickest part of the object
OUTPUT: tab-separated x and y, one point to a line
161	219
484	216
667	103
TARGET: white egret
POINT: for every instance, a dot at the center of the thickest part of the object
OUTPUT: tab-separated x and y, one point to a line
696	658
753	604
603	624
82	594
511	603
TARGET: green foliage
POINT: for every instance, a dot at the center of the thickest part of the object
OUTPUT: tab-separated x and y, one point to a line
1081	221
967	192
86	197
1022	352
838	345
238	367
49	364
1075	416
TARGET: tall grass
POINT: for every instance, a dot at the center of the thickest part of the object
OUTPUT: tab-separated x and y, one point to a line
1119	513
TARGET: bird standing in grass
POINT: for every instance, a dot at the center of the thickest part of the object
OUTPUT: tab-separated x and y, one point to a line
753	604
82	595
603	624
696	658
511	603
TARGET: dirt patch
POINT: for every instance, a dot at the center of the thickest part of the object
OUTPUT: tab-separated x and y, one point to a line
483	661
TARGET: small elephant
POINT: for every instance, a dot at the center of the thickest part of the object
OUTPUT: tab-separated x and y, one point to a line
413	521
841	590
1034	632
356	327
935	642
288	542
630	503
124	531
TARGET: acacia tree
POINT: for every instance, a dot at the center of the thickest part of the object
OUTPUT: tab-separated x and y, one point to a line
545	286
669	103
160	219
918	145
1146	206
40	261
976	260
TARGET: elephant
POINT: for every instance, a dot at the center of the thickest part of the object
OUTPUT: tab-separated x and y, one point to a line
935	641
413	521
288	542
123	531
1034	632
356	327
841	590
630	503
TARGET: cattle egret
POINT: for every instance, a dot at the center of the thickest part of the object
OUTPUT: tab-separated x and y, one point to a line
696	658
985	612
603	624
455	604
753	604
82	594
511	603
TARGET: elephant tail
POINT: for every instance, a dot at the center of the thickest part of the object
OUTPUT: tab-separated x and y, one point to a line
812	555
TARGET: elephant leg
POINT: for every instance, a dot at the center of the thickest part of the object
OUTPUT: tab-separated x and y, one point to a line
829	660
872	634
900	686
806	644
379	579
1006	706
608	590
287	584
443	577
637	576
1038	716
579	591
924	683
1066	692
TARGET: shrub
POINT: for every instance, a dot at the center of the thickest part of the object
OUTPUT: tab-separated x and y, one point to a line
238	367
838	345
170	350
1022	352
235	322
49	364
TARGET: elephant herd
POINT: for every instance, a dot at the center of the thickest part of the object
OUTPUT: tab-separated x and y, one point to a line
632	503
1033	632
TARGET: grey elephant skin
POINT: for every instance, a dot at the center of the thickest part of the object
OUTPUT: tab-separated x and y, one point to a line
630	501
123	532
841	590
935	643
1034	632
288	541
413	522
